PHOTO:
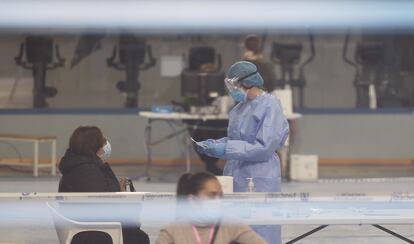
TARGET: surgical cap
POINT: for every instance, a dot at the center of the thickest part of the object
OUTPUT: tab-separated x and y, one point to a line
243	68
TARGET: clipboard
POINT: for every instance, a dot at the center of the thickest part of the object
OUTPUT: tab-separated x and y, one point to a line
198	144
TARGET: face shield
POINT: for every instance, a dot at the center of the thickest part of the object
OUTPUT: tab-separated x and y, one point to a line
235	83
232	84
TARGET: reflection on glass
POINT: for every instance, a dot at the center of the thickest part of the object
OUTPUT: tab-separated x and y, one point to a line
352	58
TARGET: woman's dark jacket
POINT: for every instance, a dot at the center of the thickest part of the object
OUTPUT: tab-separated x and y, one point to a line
86	174
82	173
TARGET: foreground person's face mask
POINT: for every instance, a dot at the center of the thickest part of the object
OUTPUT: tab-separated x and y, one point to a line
205	212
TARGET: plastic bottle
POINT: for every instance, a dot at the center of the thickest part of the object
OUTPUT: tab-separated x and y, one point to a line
372	96
250	185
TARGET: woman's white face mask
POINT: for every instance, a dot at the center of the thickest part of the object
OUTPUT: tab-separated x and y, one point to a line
107	151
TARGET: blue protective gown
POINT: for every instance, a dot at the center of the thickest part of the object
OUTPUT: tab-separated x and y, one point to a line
257	128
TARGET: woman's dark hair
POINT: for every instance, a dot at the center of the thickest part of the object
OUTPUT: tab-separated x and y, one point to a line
252	43
86	140
192	183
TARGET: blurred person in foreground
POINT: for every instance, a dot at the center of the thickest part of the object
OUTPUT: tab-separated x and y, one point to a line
199	218
84	169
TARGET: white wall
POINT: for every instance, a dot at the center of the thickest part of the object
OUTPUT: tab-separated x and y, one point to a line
349	136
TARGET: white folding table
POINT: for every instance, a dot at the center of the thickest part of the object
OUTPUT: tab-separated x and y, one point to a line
258	208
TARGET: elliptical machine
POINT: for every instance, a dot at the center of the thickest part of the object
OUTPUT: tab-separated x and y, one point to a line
376	80
288	56
132	52
201	83
39	58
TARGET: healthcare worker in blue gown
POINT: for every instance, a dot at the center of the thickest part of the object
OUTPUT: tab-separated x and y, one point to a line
257	128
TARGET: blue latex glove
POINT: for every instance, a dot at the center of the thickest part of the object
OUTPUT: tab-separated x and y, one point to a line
203	145
215	150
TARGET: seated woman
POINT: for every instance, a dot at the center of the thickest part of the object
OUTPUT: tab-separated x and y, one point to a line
193	190
84	169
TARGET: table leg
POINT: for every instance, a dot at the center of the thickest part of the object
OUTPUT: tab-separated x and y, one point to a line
307	234
148	148
287	159
188	144
53	159
284	154
36	158
393	233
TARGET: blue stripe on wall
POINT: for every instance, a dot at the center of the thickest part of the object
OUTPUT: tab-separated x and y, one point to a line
75	111
133	111
328	111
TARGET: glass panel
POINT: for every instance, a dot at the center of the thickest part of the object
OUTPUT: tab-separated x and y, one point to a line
144	53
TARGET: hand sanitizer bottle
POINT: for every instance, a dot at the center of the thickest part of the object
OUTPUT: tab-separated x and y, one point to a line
250	185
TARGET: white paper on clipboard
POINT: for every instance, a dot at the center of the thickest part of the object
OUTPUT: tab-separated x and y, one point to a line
199	144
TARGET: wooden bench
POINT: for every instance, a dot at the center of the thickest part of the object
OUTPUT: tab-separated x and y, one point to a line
36	140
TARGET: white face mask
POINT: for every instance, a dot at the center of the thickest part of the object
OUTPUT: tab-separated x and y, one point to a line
107	151
206	212
239	95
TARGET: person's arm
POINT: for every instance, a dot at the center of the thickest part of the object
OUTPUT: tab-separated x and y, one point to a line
164	237
243	234
221	140
272	134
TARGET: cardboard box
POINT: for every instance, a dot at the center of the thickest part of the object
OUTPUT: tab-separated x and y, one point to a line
304	167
